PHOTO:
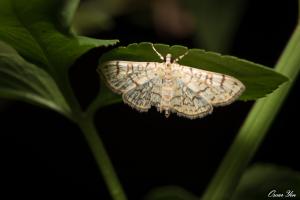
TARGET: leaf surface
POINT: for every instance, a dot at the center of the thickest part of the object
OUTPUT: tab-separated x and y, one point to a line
25	81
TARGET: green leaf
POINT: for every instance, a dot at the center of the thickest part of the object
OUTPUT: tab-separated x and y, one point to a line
20	79
170	193
32	27
259	80
40	32
258	181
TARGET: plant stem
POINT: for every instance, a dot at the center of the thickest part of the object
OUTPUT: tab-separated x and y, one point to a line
104	164
255	127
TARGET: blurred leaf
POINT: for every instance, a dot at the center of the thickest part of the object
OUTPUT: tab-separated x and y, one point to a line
217	22
92	16
89	21
40	32
67	12
170	193
95	15
20	79
259	80
258	181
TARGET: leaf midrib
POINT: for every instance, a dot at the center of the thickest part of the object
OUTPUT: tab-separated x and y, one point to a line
43	51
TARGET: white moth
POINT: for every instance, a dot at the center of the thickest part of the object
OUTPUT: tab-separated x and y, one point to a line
171	87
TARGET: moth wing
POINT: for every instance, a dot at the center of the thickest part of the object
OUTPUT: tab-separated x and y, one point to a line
218	89
122	76
185	102
144	96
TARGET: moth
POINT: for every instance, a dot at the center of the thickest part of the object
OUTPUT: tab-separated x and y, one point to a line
170	87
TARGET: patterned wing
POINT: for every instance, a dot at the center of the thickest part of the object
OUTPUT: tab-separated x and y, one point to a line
218	89
144	96
185	102
123	76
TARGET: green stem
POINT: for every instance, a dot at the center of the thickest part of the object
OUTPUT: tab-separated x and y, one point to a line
86	124
255	127
105	166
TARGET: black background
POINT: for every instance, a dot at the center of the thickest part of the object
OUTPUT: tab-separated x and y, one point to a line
44	155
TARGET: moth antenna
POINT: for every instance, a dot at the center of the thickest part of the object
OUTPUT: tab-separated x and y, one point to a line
180	57
160	56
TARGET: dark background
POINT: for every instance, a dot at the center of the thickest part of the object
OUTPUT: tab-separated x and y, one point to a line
44	155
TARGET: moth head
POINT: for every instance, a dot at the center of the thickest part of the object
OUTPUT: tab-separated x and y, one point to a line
168	58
